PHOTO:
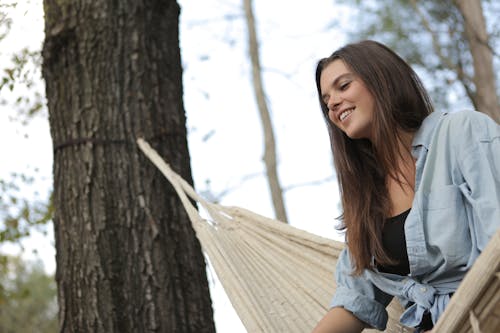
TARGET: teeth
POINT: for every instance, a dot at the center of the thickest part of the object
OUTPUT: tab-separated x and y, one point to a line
344	114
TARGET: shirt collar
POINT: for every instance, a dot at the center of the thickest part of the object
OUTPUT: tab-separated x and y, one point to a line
424	134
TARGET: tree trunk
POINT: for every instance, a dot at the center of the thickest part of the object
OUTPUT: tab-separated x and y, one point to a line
127	257
269	142
485	99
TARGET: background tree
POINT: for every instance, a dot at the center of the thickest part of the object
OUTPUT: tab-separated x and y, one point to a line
127	257
451	42
29	301
269	158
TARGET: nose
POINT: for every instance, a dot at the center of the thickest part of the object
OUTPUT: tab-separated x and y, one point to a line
333	103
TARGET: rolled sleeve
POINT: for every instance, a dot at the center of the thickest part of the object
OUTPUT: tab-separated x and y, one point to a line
358	295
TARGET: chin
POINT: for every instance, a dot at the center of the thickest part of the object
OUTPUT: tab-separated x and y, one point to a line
355	136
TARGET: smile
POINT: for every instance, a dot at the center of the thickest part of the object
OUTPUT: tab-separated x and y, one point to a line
345	113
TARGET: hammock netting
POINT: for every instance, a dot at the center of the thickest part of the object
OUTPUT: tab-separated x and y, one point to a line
280	278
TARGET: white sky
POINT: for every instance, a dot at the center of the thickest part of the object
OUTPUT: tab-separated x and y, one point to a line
219	99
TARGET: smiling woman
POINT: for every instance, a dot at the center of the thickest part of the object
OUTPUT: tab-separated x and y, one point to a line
350	104
419	189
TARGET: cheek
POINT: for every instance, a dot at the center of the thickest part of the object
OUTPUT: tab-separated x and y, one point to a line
371	108
331	116
369	102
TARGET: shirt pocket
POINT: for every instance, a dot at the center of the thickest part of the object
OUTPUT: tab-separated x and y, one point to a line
445	224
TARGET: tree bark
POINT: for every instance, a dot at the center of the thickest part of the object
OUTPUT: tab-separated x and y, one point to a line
485	99
127	256
269	142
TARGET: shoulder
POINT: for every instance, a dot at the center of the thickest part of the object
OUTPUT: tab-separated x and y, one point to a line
466	127
469	138
470	122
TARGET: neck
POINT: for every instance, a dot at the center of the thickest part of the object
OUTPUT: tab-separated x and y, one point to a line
404	170
401	184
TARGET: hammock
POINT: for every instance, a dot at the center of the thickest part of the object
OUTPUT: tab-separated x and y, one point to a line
280	279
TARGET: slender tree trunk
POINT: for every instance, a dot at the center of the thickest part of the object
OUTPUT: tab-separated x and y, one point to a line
127	257
485	99
270	145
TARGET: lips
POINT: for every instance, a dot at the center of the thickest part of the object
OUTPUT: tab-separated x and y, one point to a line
345	113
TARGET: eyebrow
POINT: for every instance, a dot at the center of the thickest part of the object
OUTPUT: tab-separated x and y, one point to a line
335	82
340	77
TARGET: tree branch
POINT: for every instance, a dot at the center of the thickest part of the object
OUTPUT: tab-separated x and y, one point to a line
270	149
457	68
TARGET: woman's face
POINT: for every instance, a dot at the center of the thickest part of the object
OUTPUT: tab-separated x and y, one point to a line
350	104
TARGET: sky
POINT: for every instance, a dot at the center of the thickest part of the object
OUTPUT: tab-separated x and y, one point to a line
225	135
296	36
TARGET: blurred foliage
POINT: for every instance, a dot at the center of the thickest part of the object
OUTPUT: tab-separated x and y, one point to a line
430	36
23	73
20	90
27	297
5	21
20	77
18	213
28	300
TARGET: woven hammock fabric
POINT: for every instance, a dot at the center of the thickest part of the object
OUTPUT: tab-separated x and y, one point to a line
280	279
277	277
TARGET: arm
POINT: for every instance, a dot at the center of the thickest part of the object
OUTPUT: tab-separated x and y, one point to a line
356	304
339	320
479	158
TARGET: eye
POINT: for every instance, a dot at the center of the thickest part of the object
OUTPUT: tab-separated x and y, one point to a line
344	85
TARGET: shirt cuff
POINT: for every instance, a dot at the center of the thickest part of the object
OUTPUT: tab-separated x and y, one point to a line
364	308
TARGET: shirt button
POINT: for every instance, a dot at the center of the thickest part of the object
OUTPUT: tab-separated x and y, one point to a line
423	289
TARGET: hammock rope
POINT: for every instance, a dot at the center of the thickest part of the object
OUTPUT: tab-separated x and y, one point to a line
279	278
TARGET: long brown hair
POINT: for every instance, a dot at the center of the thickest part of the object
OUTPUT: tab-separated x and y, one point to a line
401	104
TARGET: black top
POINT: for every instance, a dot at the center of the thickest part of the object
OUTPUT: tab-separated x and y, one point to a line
394	242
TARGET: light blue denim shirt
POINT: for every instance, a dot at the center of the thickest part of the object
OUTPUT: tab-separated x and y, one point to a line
455	212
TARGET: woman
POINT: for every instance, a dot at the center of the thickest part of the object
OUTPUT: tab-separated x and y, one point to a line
420	189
